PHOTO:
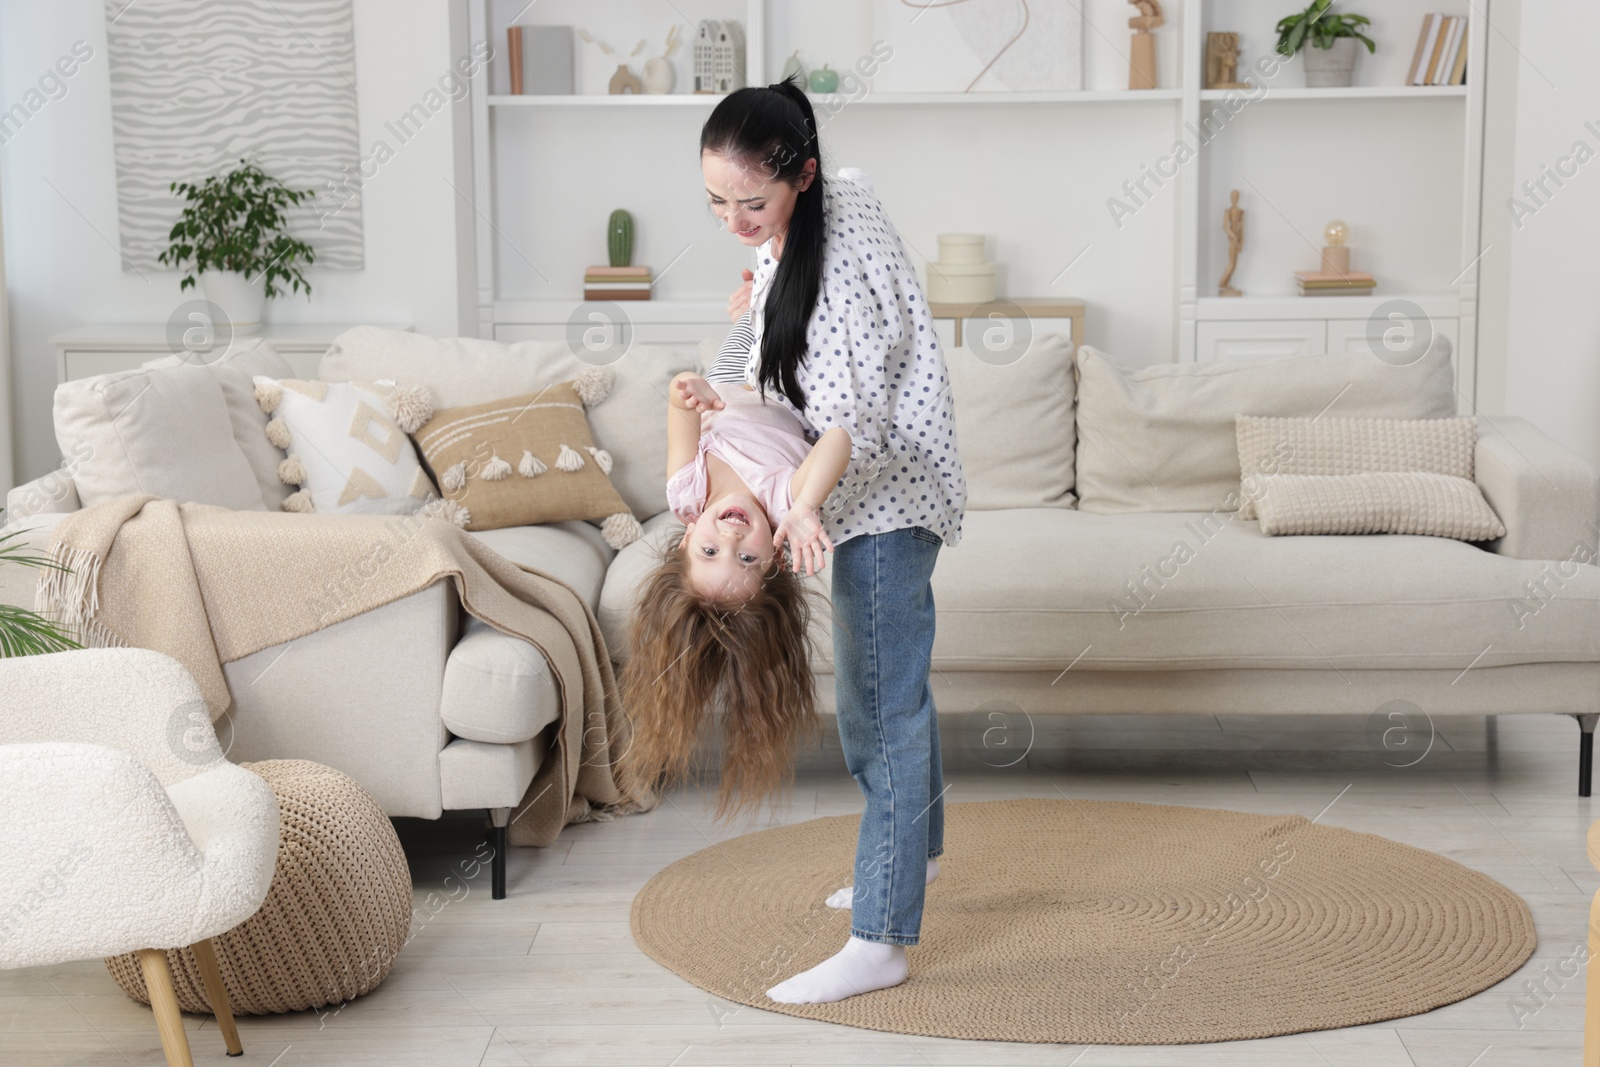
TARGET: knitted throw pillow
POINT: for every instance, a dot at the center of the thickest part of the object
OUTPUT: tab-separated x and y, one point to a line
1396	502
347	445
1271	445
528	459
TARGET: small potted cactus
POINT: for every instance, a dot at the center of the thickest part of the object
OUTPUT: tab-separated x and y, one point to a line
619	238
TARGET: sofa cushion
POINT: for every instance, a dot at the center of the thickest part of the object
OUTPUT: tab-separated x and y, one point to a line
1373	502
1037	589
631	424
1162	438
345	449
234	369
1350	446
497	688
1013	422
571	552
520	460
1014	425
164	431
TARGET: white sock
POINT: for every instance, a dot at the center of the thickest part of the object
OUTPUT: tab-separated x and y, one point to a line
842	898
859	967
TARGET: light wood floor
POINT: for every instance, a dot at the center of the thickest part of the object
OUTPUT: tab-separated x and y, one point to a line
551	976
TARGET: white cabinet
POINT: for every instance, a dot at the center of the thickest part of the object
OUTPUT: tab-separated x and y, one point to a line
1258	339
1351	335
85	351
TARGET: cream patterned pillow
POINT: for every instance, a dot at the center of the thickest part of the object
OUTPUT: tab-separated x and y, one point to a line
347	445
1273	445
1397	502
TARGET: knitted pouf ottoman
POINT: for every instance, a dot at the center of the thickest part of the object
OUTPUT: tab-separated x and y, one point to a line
335	918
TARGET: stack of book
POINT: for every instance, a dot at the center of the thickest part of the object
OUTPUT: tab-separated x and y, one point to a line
616	283
1324	283
1441	56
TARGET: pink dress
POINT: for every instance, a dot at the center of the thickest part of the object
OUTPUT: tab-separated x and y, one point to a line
764	443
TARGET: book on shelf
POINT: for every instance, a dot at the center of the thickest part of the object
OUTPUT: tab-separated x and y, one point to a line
514	57
623	273
604	282
540	60
1441	54
608	293
1319	282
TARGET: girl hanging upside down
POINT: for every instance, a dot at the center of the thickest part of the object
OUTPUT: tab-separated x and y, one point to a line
721	622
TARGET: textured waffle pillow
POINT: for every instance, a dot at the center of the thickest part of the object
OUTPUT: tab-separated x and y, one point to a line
1399	502
1162	437
347	445
1270	445
528	459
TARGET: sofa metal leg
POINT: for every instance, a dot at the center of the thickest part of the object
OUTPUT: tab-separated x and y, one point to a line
499	818
1586	722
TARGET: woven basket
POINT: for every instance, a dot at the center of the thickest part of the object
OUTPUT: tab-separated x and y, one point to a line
335	918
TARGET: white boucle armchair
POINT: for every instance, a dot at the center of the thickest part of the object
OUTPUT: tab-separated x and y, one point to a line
122	827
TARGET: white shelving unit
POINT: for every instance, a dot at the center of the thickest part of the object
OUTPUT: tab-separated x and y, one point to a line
1400	164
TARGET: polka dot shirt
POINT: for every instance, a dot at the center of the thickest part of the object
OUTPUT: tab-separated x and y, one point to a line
874	367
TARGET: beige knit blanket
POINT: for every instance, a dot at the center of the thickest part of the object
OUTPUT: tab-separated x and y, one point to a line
208	585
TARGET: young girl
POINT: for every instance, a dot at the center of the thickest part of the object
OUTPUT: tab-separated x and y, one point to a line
721	622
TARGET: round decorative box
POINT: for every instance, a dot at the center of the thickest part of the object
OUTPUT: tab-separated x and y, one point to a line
960	275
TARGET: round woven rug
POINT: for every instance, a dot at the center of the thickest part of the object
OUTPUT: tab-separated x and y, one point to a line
1102	922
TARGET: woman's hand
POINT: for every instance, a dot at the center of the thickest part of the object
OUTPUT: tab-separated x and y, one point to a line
808	542
697	394
739	302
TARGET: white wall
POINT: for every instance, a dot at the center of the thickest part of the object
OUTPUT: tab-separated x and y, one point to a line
1540	347
59	186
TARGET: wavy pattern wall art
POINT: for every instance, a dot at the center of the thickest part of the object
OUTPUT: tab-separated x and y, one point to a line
195	85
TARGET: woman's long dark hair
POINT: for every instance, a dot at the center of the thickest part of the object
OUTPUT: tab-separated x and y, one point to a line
773	131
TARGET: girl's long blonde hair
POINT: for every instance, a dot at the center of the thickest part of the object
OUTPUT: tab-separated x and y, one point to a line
691	658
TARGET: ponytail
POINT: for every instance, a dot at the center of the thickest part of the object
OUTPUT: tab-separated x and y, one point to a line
773	130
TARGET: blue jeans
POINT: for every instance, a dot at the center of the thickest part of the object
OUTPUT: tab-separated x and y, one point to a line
882	649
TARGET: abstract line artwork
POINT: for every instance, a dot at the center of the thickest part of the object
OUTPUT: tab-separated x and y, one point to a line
196	85
979	45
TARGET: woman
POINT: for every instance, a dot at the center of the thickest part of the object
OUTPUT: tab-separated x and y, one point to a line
840	333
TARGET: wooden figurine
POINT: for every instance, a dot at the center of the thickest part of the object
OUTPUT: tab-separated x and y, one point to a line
1222	61
1233	226
1142	47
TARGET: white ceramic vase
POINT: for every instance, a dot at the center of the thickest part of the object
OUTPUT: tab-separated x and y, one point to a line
659	75
1329	68
239	298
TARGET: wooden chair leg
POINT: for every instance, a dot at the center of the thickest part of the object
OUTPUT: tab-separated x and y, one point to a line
164	1003
217	994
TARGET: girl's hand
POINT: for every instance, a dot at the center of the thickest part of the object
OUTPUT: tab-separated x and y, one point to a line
808	541
739	302
697	394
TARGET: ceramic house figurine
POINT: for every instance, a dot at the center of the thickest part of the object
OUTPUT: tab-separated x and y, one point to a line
719	56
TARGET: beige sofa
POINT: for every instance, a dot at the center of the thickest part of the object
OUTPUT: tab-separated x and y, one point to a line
1103	568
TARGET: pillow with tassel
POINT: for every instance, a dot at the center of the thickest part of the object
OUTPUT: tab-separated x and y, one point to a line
527	460
347	445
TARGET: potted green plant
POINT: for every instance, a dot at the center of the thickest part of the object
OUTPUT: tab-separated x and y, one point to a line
233	231
24	632
1332	60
